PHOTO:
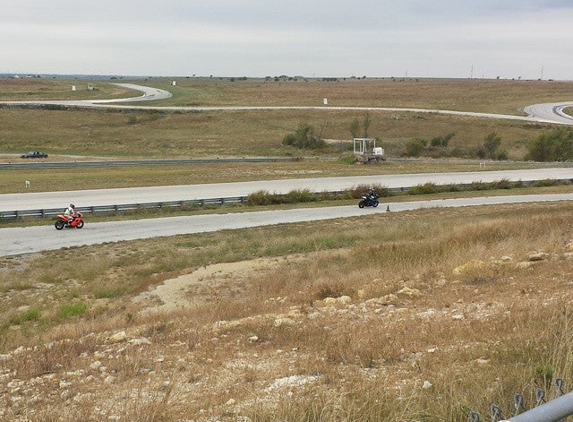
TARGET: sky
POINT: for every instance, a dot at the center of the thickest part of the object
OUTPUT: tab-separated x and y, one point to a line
509	39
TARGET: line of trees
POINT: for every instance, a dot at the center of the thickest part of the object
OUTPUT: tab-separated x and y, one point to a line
440	147
551	146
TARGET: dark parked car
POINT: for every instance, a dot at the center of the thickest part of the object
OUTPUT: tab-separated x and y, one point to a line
34	154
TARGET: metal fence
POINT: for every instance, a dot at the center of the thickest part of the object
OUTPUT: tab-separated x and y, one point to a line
118	208
131	163
556	410
122	208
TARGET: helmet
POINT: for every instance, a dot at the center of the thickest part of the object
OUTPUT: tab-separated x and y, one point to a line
72	206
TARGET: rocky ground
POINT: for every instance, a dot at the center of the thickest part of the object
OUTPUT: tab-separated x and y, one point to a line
169	367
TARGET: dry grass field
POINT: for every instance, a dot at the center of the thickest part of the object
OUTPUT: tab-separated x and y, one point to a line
394	317
260	133
416	316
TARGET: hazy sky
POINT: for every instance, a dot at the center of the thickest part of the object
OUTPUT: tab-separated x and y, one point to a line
530	39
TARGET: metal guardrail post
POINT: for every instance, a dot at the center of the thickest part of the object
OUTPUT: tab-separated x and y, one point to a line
473	417
556	410
539	397
495	412
553	411
559	387
518	404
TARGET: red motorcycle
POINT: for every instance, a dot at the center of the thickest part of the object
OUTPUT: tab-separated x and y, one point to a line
63	221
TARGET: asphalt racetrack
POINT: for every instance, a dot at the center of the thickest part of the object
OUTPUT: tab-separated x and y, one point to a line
140	195
23	240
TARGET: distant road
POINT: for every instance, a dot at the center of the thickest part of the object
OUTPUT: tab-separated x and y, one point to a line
99	197
551	112
543	113
22	240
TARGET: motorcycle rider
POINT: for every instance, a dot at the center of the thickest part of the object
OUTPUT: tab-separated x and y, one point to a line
371	195
70	212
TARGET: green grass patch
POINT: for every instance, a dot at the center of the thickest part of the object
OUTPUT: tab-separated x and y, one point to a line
107	294
30	315
77	309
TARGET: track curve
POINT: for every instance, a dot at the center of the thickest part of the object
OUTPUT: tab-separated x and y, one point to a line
542	113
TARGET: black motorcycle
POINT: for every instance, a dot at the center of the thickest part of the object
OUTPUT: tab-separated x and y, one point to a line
368	201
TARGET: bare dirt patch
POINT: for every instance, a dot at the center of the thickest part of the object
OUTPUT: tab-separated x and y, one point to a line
195	288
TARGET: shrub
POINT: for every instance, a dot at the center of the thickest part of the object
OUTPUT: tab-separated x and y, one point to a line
349	159
304	138
260	197
299	195
503	184
425	189
491	144
292	197
501	155
545	183
381	191
556	145
480	186
442	141
414	147
359	190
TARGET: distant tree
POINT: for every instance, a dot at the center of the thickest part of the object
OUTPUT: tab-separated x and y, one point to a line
354	128
442	141
555	145
415	147
491	144
366	125
304	138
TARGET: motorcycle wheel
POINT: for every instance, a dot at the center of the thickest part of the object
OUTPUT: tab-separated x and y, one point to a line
80	224
59	225
375	204
361	204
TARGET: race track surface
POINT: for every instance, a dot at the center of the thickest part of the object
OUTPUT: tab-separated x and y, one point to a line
140	195
17	241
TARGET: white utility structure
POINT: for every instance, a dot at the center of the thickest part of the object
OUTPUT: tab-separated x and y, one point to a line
366	151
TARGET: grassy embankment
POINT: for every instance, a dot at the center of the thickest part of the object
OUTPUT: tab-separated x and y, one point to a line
477	335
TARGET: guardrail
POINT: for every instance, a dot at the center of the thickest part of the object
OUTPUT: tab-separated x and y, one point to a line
556	410
158	162
103	209
118	208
